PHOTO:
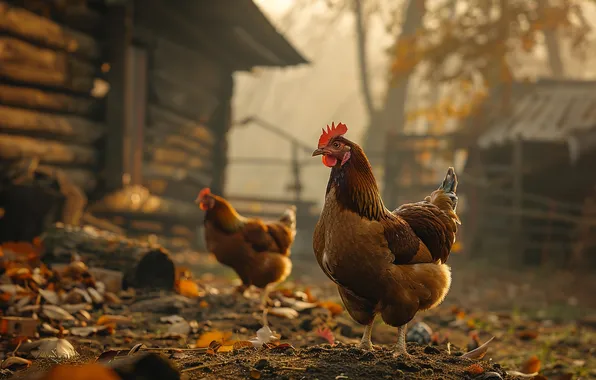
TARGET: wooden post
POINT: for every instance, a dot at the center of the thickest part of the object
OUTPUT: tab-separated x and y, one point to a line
518	203
118	39
296	172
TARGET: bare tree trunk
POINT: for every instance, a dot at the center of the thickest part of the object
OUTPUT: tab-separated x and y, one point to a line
553	48
362	55
392	116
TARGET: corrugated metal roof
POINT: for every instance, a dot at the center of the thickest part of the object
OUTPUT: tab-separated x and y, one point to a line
547	110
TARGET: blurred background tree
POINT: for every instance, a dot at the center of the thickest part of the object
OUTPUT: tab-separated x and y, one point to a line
474	45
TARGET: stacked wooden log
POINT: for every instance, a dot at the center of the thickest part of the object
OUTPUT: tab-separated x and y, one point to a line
144	265
48	73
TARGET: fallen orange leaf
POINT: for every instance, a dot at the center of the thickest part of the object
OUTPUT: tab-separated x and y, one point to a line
188	288
474	369
531	365
333	307
219	336
112	320
84	372
309	297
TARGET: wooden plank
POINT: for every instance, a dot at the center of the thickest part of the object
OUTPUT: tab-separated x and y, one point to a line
169	57
171	23
184	190
23	62
70	128
44	100
167	122
80	17
177	157
20	22
49	152
118	106
173	91
174	173
174	141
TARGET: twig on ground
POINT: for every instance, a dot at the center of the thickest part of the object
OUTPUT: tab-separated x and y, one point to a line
294	368
207	365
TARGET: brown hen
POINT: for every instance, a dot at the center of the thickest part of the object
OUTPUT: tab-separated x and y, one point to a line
257	250
383	262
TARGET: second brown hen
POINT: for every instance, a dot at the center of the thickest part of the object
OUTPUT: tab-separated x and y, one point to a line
257	250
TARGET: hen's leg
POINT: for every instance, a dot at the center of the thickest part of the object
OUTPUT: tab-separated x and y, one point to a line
362	311
366	342
400	347
265	295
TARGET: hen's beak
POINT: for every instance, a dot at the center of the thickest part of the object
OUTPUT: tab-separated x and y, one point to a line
318	152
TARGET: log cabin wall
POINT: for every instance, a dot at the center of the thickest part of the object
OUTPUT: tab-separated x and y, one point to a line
188	96
170	138
49	95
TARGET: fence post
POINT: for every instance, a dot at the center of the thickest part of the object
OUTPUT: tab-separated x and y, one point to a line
296	172
518	192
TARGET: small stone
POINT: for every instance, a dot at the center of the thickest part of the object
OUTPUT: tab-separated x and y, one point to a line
420	333
399	374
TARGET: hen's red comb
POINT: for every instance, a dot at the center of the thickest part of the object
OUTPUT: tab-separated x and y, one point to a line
331	132
205	191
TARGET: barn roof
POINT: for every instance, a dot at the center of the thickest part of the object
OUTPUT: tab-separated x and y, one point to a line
251	31
234	33
544	111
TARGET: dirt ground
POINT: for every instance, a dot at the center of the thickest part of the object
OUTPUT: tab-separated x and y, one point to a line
537	327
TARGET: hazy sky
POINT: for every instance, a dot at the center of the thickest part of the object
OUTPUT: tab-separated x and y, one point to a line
301	101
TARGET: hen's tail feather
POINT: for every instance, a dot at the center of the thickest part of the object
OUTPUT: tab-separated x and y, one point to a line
444	197
289	219
449	184
449	187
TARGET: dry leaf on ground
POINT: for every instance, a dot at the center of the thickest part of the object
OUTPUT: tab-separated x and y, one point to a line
219	336
532	365
333	307
188	288
113	319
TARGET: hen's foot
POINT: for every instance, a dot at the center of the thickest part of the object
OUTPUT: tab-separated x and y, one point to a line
402	354
369	346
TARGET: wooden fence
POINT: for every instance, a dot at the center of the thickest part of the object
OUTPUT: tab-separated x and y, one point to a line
541	231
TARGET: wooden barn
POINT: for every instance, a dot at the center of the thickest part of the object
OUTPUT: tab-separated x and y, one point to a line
530	187
124	105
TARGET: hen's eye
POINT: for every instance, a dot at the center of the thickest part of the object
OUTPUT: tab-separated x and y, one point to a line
336	144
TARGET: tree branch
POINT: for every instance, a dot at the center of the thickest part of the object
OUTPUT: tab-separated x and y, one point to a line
362	65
